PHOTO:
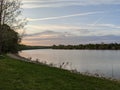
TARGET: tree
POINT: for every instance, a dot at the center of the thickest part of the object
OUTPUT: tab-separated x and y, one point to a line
10	40
9	15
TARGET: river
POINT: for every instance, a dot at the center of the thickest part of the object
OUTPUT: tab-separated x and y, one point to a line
103	62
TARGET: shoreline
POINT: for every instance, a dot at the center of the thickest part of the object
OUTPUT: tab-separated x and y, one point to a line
18	57
18	74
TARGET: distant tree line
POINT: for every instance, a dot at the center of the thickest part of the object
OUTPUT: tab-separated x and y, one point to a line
26	47
102	46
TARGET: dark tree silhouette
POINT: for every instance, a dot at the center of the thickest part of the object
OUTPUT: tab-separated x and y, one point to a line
10	40
9	16
102	46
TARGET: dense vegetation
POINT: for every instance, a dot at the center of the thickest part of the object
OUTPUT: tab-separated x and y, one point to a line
10	40
102	46
10	10
26	47
19	75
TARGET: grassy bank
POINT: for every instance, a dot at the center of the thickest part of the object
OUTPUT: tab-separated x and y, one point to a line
19	75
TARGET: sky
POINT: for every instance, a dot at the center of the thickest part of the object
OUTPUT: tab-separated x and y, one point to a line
71	22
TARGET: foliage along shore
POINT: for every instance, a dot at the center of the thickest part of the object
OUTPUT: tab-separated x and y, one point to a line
20	75
102	46
26	47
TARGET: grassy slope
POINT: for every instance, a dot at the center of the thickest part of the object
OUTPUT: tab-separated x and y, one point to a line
19	75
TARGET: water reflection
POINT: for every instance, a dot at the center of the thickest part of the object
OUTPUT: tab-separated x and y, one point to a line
106	62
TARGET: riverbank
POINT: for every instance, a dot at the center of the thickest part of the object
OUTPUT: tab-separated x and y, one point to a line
19	75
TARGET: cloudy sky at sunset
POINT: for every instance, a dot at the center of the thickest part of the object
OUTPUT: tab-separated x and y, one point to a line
71	21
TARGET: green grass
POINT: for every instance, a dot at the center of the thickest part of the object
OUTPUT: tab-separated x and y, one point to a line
19	75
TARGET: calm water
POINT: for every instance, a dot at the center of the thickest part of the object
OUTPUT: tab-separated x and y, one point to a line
105	63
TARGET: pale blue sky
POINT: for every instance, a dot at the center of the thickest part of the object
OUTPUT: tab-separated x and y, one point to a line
71	21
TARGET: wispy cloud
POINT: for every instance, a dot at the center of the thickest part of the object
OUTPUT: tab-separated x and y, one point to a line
70	40
77	30
72	27
66	16
63	3
112	26
48	34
